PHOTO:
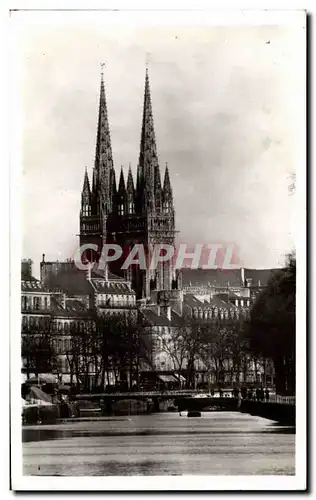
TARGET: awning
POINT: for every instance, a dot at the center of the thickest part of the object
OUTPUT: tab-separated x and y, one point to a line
38	395
66	378
167	378
43	378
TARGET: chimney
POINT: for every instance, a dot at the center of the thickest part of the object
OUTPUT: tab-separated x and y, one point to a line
242	270
43	257
166	311
27	267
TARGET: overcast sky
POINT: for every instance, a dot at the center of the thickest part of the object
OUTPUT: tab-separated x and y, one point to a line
225	103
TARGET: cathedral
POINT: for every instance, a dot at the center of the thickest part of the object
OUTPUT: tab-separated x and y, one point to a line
130	213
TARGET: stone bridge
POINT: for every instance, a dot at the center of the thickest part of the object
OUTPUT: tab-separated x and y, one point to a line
281	410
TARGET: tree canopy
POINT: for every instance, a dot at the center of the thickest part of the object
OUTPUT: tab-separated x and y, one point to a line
272	325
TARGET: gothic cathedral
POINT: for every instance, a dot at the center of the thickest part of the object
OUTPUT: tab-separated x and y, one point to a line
128	215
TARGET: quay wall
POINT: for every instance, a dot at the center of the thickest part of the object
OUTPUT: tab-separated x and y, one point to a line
279	412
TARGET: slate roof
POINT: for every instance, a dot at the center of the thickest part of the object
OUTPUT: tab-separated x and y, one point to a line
219	301
31	284
74	308
211	277
224	277
99	274
155	319
74	281
262	275
112	287
71	281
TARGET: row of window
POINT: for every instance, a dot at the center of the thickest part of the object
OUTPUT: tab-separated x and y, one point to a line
40	322
215	313
90	227
36	303
61	345
116	299
242	303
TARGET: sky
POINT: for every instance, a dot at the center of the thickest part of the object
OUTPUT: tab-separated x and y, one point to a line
226	103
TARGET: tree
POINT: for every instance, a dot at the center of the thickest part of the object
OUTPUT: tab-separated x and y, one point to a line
272	325
175	346
119	347
37	348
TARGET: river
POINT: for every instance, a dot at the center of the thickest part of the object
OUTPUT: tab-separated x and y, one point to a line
160	444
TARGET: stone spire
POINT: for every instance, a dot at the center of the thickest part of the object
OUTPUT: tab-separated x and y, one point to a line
157	188
86	195
148	158
121	195
130	182
122	189
103	165
86	185
167	191
130	192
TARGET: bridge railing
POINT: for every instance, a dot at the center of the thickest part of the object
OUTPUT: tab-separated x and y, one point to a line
273	398
276	398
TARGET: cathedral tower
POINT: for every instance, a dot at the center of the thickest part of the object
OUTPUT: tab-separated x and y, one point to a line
129	215
98	203
145	215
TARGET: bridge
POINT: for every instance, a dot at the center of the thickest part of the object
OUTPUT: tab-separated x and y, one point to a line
278	408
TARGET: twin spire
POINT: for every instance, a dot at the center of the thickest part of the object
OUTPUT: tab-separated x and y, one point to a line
149	194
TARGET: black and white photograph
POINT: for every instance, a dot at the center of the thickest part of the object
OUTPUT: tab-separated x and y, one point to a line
158	261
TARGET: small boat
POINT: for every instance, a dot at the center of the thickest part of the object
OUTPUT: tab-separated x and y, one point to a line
194	413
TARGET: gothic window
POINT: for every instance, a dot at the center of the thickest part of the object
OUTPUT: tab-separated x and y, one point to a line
167	207
130	207
45	303
86	210
121	209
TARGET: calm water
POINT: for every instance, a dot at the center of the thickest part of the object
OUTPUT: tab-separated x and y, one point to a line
160	444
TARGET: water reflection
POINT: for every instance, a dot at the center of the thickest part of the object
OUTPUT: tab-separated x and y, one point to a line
217	443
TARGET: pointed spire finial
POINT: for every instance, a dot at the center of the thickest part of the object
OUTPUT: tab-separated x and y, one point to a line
102	64
122	180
